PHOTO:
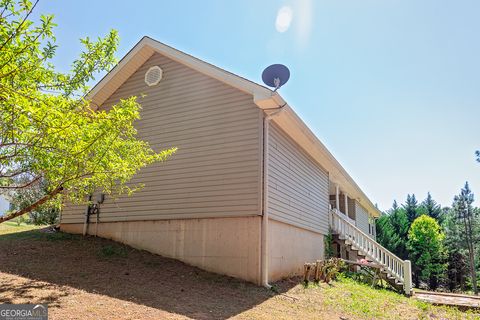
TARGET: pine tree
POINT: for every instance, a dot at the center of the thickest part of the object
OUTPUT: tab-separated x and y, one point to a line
457	254
386	235
392	230
431	208
411	208
465	215
395	205
476	239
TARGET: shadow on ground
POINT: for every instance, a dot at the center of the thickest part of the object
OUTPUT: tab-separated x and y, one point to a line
105	267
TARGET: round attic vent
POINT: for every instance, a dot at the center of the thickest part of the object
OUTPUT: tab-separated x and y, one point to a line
153	76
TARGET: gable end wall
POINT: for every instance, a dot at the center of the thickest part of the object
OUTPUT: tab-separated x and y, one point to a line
216	171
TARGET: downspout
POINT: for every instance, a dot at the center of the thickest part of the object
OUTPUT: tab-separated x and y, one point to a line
264	235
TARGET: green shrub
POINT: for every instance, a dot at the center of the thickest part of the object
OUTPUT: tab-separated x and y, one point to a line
330	269
328	241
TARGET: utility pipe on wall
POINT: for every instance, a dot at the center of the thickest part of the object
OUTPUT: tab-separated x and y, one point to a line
87	216
265	244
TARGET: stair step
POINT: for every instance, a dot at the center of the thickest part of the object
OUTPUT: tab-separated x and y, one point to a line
349	242
385	273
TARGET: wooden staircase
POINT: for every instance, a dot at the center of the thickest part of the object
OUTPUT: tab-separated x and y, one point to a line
395	271
392	281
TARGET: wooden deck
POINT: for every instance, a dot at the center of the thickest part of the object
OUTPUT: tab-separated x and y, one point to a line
451	299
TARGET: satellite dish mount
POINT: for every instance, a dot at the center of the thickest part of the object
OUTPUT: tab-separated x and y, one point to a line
275	76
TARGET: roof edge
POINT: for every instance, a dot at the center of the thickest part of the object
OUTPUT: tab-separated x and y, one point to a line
148	44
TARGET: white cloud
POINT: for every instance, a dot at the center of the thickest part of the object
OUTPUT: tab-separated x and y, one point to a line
284	19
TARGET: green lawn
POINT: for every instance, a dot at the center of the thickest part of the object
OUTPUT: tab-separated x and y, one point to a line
12	227
348	299
364	302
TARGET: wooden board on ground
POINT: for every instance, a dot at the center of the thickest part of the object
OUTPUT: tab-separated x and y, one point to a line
450	299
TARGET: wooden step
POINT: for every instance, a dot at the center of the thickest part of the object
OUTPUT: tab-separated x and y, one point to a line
350	245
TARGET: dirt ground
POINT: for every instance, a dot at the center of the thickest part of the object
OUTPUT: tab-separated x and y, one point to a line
94	278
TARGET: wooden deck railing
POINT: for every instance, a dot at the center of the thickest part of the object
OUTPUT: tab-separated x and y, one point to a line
399	269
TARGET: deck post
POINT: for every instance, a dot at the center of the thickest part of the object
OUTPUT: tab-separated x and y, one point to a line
407	277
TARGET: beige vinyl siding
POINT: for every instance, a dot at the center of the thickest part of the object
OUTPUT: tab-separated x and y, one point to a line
298	186
217	168
362	220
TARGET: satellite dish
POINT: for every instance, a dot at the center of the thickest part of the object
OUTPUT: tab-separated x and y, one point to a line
275	75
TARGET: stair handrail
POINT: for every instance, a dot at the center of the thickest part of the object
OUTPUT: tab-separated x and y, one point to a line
340	215
405	276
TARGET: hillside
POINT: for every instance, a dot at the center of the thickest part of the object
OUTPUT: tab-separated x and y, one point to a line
93	278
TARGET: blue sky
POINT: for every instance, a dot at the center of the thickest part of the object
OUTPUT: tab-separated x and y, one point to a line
391	87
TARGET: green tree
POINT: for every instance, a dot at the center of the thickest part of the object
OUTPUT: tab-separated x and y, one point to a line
47	213
48	129
411	208
466	216
431	208
457	254
384	231
426	250
392	230
476	238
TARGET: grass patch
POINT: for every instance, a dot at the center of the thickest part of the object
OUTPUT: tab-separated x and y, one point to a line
11	231
346	298
111	251
10	227
362	301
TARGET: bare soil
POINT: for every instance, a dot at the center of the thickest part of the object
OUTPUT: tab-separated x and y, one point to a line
93	278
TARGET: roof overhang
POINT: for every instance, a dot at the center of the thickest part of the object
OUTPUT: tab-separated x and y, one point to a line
263	97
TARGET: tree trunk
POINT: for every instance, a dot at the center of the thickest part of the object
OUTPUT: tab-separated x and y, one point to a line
33	206
473	274
471	257
472	254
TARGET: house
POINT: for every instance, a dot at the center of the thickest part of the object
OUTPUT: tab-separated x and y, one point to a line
4	205
251	191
